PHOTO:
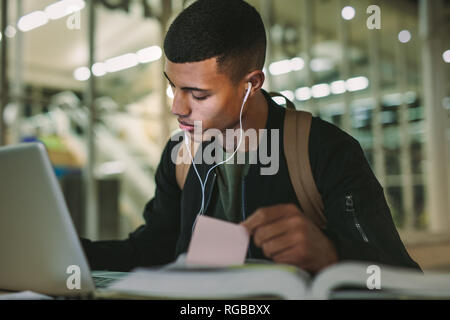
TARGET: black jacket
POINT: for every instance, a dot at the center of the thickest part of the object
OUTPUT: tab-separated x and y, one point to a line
359	221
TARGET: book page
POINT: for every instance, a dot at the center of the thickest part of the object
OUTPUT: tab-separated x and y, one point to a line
246	281
394	282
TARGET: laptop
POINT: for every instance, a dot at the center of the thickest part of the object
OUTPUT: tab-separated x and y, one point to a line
39	248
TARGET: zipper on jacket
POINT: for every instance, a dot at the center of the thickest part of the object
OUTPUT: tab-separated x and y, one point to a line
350	209
243	210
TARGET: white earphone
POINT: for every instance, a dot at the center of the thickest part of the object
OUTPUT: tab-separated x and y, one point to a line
203	184
248	91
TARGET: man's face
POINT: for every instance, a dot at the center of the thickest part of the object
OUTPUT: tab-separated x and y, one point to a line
203	94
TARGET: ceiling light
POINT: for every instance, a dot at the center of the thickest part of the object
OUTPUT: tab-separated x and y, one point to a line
286	66
32	21
320	90
297	64
288	94
338	87
279	100
82	73
446	56
10	31
348	13
149	54
280	67
321	64
99	69
404	36
122	62
357	83
303	94
63	8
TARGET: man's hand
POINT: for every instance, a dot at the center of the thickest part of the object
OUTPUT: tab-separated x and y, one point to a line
287	236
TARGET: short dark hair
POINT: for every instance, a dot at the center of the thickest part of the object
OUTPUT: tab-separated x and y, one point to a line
230	30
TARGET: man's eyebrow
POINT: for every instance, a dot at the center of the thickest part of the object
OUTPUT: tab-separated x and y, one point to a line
186	88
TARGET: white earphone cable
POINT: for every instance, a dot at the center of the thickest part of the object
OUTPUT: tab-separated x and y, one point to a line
203	184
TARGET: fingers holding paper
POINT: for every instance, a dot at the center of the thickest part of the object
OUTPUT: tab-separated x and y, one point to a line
286	236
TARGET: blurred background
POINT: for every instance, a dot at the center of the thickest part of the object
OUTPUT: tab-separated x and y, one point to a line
86	79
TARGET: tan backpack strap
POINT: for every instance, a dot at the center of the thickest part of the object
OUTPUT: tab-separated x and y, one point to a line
297	125
184	162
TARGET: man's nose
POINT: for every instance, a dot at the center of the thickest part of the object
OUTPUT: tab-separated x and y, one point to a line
180	105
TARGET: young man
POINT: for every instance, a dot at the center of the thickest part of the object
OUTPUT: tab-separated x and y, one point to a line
215	50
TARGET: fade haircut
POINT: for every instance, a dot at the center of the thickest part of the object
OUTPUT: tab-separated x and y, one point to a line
231	31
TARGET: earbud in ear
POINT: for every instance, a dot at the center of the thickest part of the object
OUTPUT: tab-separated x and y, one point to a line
247	93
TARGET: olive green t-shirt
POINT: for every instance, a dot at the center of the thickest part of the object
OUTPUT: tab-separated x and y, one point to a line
230	174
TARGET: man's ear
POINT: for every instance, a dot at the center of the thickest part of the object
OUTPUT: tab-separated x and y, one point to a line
256	78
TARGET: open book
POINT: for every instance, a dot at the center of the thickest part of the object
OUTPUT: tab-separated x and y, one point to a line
257	279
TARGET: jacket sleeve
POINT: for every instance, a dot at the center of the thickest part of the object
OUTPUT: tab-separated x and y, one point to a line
359	221
152	243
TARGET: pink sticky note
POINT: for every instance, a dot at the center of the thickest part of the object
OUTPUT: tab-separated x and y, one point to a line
217	243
